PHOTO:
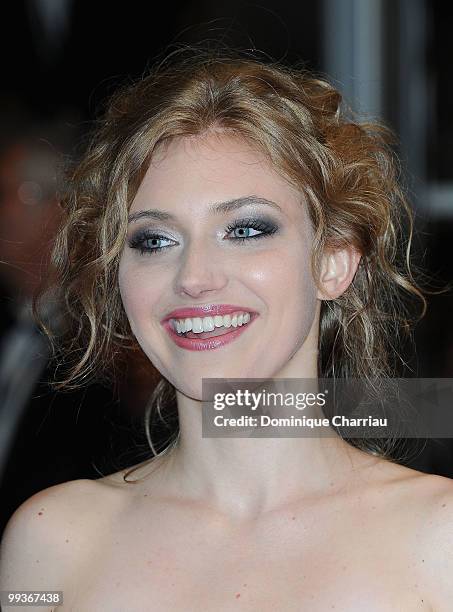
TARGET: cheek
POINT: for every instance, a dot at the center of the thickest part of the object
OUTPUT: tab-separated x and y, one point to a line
283	277
284	282
137	295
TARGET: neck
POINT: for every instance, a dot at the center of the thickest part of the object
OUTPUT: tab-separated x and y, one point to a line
244	477
248	476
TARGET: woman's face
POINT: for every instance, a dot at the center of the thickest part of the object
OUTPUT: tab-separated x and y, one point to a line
186	256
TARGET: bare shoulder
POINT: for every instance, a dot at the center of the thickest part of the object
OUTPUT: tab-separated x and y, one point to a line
415	492
426	490
425	503
49	535
435	537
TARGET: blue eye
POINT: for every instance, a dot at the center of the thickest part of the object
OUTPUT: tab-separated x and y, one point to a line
265	228
246	232
145	242
149	242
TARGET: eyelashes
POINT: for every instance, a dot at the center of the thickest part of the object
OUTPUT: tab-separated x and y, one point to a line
139	241
266	227
149	242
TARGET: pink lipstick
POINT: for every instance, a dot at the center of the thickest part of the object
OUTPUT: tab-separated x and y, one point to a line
209	310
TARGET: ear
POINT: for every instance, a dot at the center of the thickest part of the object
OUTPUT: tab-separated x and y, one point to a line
337	271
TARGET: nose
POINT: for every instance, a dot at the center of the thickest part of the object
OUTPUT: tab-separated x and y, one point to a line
201	271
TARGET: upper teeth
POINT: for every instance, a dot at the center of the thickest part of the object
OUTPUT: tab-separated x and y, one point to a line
206	324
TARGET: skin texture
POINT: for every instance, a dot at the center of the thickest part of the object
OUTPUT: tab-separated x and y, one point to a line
271	275
243	524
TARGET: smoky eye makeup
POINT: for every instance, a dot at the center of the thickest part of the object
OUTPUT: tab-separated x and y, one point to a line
148	240
260	223
243	229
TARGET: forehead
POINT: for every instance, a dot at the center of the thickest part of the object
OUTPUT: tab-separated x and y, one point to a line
192	172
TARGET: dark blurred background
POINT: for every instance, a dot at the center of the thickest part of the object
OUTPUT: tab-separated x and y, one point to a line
61	59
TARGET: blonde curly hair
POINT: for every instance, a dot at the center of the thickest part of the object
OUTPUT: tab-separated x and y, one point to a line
346	169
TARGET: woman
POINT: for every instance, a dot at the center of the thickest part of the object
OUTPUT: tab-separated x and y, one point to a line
224	186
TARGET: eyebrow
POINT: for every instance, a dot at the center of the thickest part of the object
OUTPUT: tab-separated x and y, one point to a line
217	208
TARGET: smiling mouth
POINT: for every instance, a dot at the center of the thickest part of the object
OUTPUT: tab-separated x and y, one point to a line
210	327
